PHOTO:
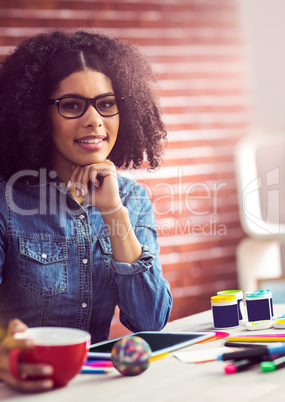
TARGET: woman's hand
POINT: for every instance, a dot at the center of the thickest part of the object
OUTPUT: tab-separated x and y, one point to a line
25	369
98	184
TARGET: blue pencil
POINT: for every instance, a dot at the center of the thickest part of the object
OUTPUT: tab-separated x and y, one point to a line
93	370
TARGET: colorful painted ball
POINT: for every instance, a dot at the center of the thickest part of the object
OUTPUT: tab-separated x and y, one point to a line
131	355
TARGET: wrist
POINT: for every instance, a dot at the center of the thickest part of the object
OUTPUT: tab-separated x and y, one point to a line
109	212
117	214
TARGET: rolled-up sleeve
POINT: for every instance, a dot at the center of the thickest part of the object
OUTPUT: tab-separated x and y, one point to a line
143	264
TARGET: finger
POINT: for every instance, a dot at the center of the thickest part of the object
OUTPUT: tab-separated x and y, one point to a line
72	179
16	326
35	370
14	343
35	386
85	179
96	173
79	185
27	385
75	180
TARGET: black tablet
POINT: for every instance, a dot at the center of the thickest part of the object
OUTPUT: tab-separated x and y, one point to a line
159	342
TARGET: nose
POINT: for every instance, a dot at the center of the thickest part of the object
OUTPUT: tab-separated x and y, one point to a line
92	117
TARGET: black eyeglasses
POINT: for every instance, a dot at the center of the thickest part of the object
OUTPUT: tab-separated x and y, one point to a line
72	107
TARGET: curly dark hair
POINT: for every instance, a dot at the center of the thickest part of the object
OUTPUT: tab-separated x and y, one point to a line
33	71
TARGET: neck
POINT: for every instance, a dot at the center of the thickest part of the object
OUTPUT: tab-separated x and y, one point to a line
63	170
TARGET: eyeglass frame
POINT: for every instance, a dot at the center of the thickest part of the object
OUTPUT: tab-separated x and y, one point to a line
88	102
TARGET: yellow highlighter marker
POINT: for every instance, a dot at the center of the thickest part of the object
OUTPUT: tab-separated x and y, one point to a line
258	338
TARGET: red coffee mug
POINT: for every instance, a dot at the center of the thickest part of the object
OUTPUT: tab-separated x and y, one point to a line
63	348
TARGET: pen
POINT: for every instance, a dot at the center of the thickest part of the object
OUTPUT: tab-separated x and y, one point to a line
273	365
93	370
98	363
240	366
242	345
258	338
254	353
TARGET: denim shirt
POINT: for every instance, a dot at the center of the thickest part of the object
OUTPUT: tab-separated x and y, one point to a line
57	267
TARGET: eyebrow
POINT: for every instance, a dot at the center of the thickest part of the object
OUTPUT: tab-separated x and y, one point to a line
70	95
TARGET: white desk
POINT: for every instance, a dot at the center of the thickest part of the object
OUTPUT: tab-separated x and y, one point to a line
169	380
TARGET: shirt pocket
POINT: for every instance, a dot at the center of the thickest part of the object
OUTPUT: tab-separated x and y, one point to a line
43	266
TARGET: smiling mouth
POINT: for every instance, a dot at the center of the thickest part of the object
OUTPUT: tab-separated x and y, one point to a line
93	141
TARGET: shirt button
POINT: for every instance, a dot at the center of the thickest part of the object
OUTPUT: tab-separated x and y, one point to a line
84	260
84	305
44	256
81	217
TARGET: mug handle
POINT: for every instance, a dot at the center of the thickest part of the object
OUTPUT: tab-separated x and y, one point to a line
13	362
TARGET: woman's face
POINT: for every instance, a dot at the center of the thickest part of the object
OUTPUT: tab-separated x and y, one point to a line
88	139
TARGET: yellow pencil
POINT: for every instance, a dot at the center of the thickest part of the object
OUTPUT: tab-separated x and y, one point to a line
159	356
257	338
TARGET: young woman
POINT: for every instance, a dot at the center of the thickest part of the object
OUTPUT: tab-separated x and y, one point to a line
76	238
